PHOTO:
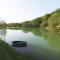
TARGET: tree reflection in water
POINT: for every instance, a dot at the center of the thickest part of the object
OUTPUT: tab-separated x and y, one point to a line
53	38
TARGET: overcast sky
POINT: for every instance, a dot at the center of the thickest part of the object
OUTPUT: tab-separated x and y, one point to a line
22	10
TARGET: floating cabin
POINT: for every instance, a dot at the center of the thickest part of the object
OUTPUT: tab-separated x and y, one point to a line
19	44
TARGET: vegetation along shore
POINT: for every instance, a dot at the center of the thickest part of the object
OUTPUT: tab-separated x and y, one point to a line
8	53
50	21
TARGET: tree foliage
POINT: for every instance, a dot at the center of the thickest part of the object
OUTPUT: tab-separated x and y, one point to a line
54	22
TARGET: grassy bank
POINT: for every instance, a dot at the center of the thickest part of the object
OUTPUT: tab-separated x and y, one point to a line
8	53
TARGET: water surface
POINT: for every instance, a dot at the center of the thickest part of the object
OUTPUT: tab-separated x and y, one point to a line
41	44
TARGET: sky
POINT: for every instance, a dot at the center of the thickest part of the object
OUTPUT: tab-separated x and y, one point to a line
26	10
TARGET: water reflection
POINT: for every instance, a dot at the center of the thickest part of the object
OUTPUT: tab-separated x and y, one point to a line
2	34
53	38
41	43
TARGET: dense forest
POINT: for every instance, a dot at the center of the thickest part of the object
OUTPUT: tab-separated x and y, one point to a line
49	21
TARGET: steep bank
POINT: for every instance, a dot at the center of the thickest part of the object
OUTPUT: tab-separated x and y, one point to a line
49	21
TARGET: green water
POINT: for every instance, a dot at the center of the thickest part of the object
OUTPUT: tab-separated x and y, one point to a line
41	43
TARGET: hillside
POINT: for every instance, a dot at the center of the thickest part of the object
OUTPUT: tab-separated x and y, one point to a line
51	20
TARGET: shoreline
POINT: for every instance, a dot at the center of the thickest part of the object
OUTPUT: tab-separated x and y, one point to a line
8	53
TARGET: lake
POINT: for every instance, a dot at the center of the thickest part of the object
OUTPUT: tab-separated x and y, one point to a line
41	44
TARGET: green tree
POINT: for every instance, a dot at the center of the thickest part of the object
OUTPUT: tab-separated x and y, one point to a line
53	22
